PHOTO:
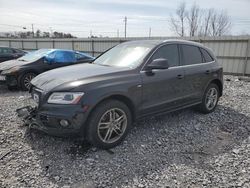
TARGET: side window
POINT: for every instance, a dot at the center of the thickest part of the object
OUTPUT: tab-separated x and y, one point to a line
79	56
169	52
65	57
6	51
17	51
206	55
191	55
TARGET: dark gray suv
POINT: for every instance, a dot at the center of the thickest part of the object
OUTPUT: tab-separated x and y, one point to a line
100	100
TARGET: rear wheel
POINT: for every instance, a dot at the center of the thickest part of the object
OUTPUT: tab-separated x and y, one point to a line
25	81
109	124
210	99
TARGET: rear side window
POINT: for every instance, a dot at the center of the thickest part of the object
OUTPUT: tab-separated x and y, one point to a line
206	55
17	51
79	56
169	52
191	55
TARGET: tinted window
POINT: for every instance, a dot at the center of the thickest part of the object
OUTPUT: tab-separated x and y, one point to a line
206	55
80	56
17	51
169	52
5	51
191	55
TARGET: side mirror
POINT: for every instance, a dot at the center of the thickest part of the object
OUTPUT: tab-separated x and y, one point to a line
158	64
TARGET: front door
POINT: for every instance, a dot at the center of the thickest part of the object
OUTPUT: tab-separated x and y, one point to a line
162	89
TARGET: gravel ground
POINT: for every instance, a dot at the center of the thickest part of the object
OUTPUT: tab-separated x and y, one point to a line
180	149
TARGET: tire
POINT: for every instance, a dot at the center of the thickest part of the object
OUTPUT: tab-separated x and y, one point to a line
101	132
25	81
204	107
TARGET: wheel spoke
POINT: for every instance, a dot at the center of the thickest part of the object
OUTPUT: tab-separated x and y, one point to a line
208	103
115	130
108	135
110	116
104	127
120	119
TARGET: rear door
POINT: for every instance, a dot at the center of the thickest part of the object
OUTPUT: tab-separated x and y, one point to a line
162	90
197	72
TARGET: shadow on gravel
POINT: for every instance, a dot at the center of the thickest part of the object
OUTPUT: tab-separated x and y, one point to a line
184	137
15	92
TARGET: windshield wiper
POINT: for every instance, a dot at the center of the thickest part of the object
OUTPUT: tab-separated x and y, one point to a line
21	60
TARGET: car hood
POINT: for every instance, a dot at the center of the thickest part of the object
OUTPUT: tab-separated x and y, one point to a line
54	78
12	63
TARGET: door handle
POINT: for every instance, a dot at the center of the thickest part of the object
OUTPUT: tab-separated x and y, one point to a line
208	72
180	76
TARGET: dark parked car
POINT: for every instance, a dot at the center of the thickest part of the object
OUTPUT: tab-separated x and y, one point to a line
7	53
100	100
19	73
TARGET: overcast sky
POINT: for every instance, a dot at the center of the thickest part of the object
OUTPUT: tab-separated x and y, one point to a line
106	17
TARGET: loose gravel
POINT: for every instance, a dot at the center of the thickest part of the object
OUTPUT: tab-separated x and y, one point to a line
180	149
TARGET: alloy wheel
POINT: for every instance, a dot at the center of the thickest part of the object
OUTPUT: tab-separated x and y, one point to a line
27	80
112	125
211	98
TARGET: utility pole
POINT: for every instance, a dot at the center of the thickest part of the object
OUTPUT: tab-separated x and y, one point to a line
32	26
125	29
51	32
117	33
90	33
149	34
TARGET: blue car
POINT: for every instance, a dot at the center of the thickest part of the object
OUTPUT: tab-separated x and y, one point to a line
18	73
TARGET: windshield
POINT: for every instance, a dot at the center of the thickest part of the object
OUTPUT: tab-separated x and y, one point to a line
125	55
33	56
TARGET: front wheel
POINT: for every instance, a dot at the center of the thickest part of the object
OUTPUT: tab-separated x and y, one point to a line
109	124
210	99
25	81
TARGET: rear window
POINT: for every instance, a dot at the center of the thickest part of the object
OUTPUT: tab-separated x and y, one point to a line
191	55
206	55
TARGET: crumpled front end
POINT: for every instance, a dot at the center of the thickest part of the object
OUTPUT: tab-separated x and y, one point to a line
53	119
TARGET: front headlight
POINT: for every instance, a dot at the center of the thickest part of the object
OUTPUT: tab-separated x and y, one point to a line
65	97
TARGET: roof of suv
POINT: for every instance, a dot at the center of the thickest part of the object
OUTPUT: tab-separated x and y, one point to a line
177	41
156	42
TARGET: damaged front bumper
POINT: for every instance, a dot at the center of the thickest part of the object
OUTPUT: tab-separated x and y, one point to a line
53	122
8	80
